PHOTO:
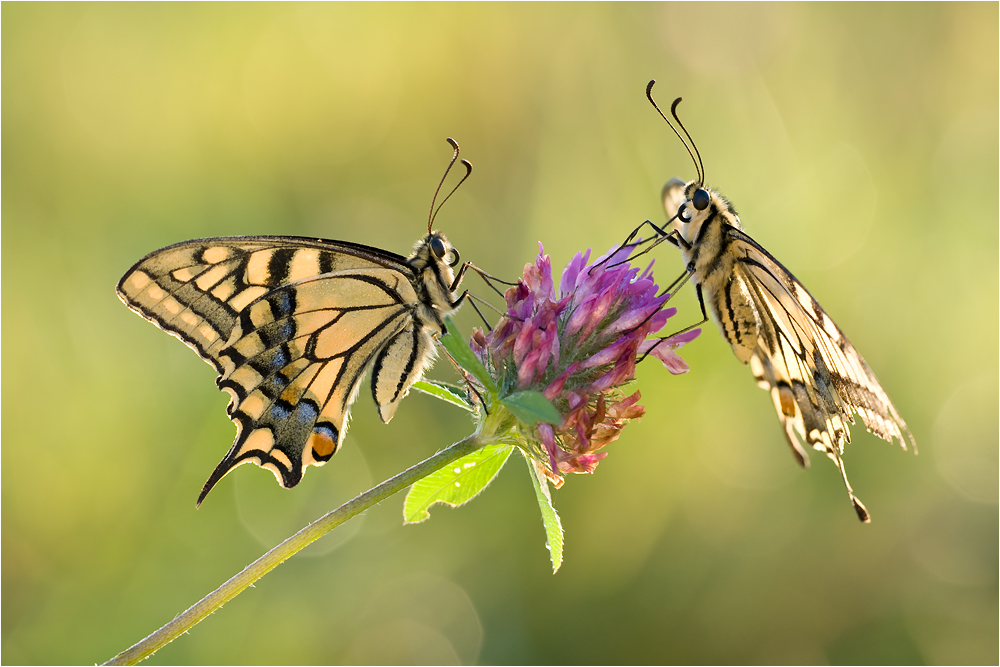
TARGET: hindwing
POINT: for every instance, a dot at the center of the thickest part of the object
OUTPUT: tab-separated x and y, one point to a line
296	359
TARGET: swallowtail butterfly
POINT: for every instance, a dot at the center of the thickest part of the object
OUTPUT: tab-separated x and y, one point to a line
817	379
292	324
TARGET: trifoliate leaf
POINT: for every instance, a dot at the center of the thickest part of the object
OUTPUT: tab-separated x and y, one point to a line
455	484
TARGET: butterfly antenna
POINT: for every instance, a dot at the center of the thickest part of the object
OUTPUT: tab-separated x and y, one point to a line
673	112
430	216
468	172
649	96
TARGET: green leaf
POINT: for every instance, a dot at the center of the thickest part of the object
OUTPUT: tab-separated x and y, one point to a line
550	518
532	407
466	358
455	484
446	392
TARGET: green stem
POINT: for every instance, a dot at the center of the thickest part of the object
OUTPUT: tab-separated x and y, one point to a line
289	547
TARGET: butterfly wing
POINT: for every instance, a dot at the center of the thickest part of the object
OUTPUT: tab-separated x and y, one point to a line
291	325
817	379
195	290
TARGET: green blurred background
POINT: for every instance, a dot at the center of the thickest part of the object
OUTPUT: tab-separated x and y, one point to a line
859	143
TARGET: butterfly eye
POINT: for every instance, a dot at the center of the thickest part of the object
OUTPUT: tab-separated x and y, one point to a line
437	247
700	199
455	258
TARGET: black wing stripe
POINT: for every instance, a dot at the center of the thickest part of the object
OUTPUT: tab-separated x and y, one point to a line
410	363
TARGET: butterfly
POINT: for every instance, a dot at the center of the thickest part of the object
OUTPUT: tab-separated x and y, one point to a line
817	379
291	325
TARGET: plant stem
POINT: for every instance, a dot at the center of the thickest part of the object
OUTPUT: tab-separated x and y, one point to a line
289	547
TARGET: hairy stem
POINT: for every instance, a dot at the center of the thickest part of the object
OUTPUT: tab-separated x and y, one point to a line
289	547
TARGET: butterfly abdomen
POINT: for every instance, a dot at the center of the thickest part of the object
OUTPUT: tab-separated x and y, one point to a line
732	308
713	270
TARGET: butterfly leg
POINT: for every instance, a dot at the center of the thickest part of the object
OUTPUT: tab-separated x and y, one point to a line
701	301
480	313
653	242
858	506
482	274
675	286
635	232
472	299
673	237
660	235
683	278
487	277
465	377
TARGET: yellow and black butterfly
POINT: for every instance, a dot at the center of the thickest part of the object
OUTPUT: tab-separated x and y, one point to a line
816	378
292	324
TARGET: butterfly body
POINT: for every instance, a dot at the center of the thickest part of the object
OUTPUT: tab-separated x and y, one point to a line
715	274
291	325
816	378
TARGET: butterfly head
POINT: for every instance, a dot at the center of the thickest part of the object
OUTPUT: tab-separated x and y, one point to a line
434	250
442	250
434	260
689	205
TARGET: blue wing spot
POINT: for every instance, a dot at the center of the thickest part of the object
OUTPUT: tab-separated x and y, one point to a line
282	303
294	426
271	361
306	414
273	386
280	411
276	333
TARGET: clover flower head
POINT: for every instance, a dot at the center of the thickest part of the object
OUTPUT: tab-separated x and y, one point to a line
578	346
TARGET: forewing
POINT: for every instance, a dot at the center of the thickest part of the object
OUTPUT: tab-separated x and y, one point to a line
195	290
295	361
817	380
